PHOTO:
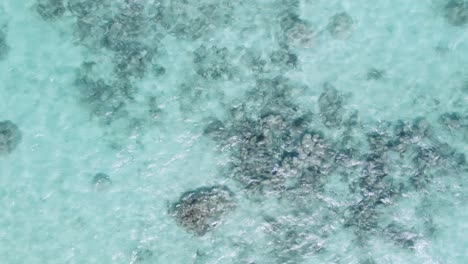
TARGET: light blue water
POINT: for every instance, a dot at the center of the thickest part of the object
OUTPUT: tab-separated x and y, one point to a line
338	129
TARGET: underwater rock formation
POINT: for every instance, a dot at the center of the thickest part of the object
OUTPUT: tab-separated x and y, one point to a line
340	25
50	9
375	74
124	28
193	20
284	57
456	12
408	134
104	100
404	238
453	121
82	8
331	106
126	33
275	149
4	48
255	61
201	210
101	181
133	60
10	137
296	32
290	242
214	129
212	63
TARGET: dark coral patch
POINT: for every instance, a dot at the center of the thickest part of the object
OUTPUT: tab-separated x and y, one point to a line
201	210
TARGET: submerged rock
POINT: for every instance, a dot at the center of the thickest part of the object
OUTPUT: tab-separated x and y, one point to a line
375	74
50	9
132	60
296	31
201	210
362	216
157	69
453	121
427	157
194	29
142	255
377	140
284	57
212	63
4	48
10	137
101	181
407	133
104	100
274	149
368	260
404	238
215	129
82	8
339	25
313	149
122	31
255	61
456	12
274	94
290	242
331	105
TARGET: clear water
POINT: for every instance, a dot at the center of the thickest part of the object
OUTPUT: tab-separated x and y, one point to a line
145	128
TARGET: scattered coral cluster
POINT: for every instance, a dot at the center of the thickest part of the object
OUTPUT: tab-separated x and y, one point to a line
201	210
277	148
284	149
10	137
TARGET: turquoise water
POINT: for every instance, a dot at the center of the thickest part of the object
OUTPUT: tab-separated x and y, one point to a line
269	131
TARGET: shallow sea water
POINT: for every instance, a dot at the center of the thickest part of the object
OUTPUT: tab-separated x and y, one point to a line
146	128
